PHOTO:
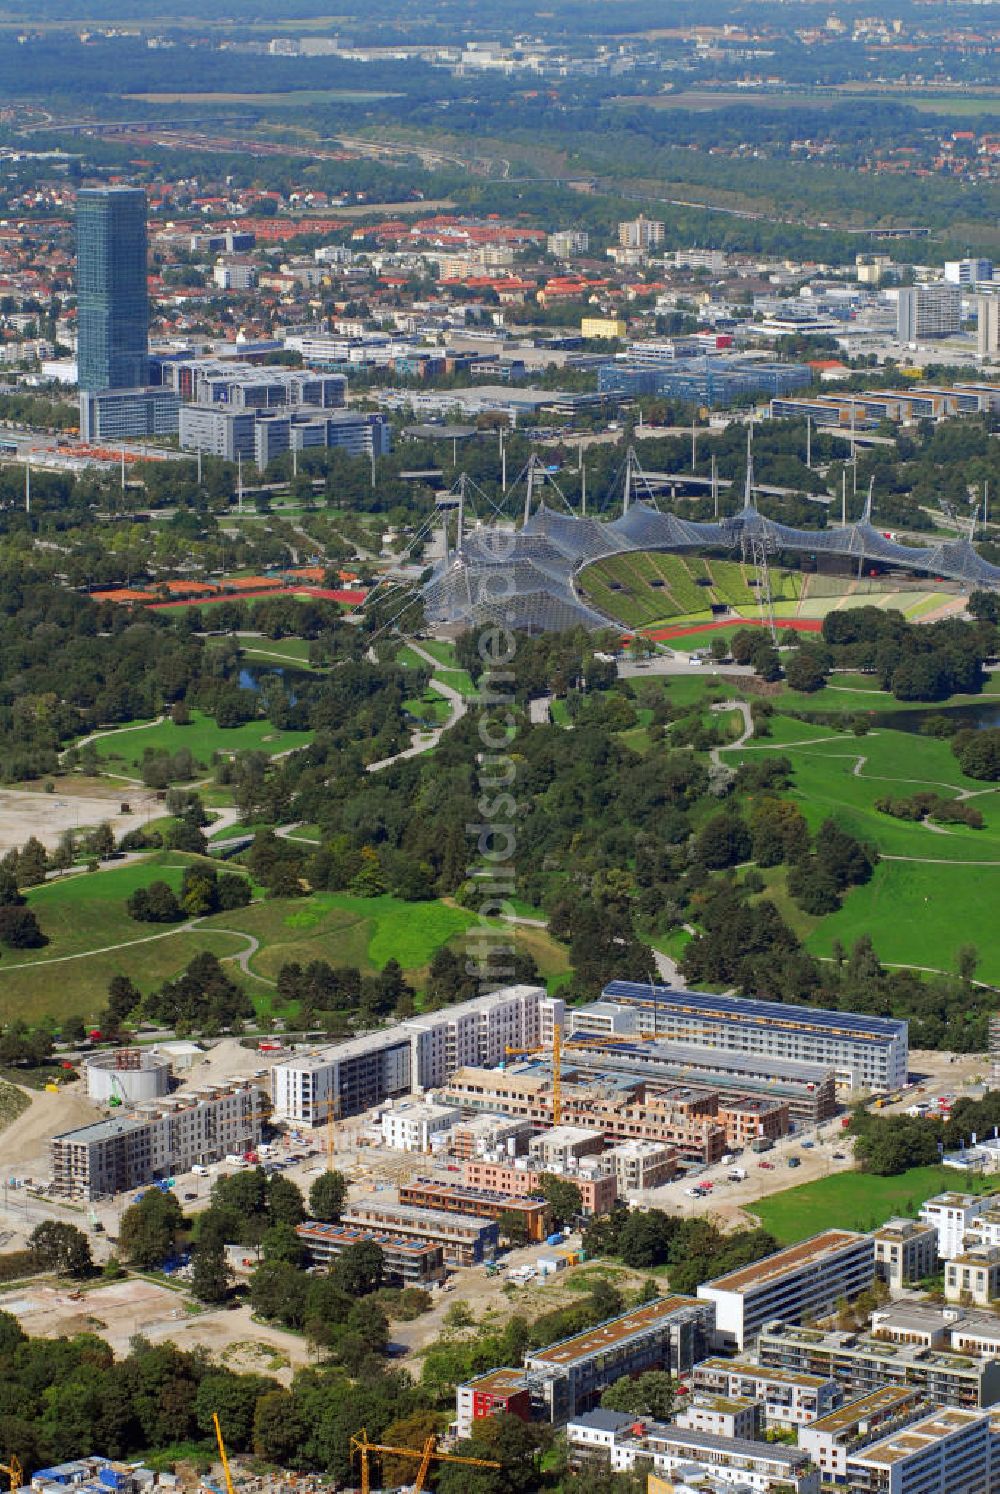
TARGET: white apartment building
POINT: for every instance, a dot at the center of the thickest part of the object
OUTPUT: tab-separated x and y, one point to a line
804	1280
640	1164
905	1252
641	233
790	1398
568	242
158	1139
419	1054
973	1276
947	1452
953	1215
831	1439
409	1126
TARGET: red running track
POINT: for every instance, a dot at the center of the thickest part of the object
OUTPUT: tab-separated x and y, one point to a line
322	593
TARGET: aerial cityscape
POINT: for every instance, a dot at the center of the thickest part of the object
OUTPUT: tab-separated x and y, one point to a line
500	748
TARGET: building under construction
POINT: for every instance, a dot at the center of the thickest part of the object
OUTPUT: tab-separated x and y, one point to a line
155	1141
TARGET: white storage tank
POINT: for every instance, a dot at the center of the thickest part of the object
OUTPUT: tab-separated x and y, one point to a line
129	1075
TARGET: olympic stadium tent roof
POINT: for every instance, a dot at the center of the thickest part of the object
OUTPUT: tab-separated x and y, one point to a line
527	577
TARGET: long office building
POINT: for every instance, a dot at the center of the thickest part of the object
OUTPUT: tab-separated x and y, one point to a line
863	1364
808	1090
121	414
867	1054
156	1140
347	1078
570	1376
804	1280
248	386
260	434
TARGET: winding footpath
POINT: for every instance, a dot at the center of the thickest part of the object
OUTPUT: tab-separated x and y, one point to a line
423	741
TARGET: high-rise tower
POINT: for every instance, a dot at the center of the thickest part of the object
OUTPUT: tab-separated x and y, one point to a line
112	297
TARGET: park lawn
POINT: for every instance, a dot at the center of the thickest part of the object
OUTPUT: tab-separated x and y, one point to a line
920	915
849	1200
202	738
458	679
430	707
78	987
828	783
368	932
439	649
231	832
87	910
294	651
408	659
559	711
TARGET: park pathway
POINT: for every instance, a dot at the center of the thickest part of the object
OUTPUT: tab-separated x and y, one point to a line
423	741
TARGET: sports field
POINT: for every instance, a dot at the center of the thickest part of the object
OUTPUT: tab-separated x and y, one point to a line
849	1200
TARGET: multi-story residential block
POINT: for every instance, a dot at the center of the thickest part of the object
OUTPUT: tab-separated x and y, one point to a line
234	274
638	1165
712	260
500	1391
564	1147
928	311
407	1262
953	1216
569	1376
866	1053
158	1139
808	1090
417	1054
482	1203
862	1364
831	1440
684	1456
568	243
612	327
598	1191
973	1276
682	1119
409	1125
479	1032
722	1416
466	1239
789	1398
804	1280
641	233
905	1251
946	1452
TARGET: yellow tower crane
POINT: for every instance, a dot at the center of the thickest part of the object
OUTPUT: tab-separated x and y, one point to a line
14	1472
222	1453
428	1454
558	1049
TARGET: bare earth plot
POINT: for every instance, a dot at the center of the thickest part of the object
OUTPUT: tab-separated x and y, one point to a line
46	816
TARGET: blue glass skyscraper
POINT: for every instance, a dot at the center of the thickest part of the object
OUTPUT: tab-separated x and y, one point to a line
112	296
